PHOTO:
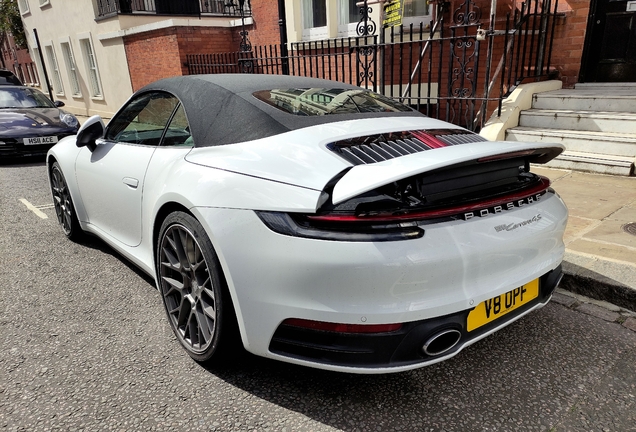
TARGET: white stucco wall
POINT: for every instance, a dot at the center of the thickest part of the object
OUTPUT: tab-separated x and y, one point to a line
68	21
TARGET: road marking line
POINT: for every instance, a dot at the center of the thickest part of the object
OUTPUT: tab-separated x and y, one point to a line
33	208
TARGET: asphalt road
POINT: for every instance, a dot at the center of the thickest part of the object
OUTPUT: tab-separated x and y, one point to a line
84	345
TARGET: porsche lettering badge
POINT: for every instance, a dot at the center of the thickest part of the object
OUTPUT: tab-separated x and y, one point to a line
501	207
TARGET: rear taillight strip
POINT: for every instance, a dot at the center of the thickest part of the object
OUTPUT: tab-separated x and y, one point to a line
342	328
544	184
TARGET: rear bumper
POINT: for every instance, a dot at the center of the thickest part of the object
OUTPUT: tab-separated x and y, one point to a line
427	282
399	349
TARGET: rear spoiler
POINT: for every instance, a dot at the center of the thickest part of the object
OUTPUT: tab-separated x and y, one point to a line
364	178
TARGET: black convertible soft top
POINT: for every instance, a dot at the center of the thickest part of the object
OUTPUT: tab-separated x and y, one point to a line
222	109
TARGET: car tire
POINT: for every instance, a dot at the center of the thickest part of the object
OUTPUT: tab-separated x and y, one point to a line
193	290
63	204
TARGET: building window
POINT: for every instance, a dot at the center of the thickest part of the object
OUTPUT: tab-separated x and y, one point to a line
414	10
34	74
38	68
44	2
69	60
91	67
20	73
24	6
348	17
55	70
314	13
28	73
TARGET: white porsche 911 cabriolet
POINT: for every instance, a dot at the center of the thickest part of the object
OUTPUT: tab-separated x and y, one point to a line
316	222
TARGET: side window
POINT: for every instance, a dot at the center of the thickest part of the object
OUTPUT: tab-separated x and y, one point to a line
178	132
143	120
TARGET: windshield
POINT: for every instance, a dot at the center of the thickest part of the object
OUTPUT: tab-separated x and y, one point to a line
321	101
23	97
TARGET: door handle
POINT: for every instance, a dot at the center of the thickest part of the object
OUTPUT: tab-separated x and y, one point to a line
131	182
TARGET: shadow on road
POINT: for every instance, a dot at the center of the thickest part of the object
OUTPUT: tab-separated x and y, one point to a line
529	374
93	242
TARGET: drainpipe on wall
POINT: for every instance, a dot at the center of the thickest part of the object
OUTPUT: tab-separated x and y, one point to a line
282	24
46	75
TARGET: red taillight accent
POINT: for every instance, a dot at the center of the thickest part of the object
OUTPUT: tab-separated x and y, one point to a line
342	328
544	183
429	140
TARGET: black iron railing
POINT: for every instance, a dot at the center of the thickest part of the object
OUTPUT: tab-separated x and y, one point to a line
225	7
107	7
456	69
230	8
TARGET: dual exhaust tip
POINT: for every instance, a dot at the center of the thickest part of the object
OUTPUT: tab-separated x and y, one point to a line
442	342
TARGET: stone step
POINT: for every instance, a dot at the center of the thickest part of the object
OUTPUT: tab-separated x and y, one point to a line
614	100
608	143
595	163
605	86
595	121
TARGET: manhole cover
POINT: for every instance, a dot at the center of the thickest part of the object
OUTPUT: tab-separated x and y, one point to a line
630	228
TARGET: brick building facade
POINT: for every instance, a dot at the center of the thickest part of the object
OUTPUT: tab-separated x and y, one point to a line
18	60
162	53
156	46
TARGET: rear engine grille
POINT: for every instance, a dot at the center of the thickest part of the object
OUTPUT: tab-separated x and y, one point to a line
378	148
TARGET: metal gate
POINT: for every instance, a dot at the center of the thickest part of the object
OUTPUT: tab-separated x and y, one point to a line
457	68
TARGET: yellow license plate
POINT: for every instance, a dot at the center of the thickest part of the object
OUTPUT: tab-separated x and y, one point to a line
497	307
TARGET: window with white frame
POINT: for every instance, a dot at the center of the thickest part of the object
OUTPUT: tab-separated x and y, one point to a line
55	70
44	2
34	73
28	74
414	11
314	15
19	73
71	68
24	6
38	68
348	17
90	61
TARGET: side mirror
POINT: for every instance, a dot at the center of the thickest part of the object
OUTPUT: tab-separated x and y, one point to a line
89	132
58	103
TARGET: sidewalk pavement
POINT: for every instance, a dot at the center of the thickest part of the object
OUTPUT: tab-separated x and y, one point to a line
600	239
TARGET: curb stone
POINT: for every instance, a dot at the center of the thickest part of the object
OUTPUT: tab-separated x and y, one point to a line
598	287
598	308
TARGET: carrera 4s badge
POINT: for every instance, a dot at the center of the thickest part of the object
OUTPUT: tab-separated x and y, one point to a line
503	207
514	226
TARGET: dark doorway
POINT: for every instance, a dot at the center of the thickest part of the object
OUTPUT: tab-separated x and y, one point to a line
610	44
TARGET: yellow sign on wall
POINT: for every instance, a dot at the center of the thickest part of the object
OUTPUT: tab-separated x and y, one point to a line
392	13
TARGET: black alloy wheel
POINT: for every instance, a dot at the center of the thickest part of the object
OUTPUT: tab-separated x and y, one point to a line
63	203
192	288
